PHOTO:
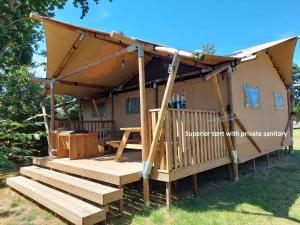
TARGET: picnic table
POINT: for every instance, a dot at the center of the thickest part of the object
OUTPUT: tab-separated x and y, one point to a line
125	143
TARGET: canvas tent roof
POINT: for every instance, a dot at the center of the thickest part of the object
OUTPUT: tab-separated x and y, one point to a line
61	37
88	45
281	54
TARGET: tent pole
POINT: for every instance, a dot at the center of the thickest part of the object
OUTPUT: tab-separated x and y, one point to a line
161	116
46	122
52	113
100	60
232	151
291	104
143	113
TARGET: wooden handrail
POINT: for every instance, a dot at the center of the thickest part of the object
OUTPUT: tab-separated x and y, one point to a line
176	150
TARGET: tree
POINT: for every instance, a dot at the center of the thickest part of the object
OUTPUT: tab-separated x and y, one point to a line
19	34
208	48
296	80
19	97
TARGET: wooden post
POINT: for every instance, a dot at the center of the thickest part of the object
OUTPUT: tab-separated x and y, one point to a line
230	111
230	104
96	109
291	105
268	159
46	122
254	166
121	202
195	185
168	194
52	112
144	120
161	115
80	111
231	150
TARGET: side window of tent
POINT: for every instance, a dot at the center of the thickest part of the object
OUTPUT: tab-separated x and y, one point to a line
101	109
252	96
278	100
133	105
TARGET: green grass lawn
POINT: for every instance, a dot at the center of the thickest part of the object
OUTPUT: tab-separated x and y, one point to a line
271	195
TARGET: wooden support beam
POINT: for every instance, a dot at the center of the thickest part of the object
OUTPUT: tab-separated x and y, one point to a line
290	120
69	54
215	72
71	83
96	109
185	57
121	202
52	112
46	122
268	159
291	106
243	128
168	194
195	185
144	117
231	150
161	116
100	60
230	104
254	165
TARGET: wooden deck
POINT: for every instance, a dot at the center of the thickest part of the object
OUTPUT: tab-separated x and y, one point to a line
104	168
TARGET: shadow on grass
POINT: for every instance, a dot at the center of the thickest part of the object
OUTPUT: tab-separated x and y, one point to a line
272	188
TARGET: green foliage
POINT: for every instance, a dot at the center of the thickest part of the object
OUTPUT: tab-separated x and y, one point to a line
296	80
19	97
208	48
18	141
297	110
66	111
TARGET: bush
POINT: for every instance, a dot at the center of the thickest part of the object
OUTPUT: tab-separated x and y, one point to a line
19	141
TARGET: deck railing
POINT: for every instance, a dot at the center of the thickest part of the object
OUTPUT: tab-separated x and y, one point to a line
177	149
105	128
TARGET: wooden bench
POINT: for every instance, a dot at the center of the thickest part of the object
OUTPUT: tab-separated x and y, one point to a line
125	142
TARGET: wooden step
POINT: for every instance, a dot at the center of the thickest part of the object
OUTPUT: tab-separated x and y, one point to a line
102	169
92	191
70	208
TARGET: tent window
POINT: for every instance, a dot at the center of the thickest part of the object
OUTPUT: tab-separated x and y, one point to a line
101	109
278	100
252	96
133	105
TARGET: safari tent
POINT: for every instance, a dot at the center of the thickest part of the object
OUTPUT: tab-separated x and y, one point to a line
147	109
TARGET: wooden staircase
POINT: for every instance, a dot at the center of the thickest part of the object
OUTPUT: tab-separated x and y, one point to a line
77	200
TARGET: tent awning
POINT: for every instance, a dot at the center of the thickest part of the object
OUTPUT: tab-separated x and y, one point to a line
70	48
280	52
87	45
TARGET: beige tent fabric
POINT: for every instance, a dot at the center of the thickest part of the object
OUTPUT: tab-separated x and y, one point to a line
281	53
60	38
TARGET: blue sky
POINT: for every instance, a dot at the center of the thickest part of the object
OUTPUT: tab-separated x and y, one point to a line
229	24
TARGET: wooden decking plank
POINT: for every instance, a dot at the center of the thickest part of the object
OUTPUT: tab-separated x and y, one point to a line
70	208
106	171
92	191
